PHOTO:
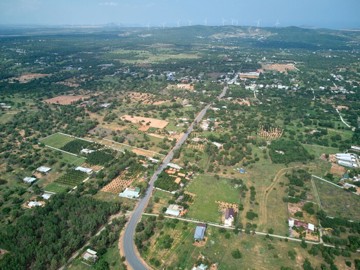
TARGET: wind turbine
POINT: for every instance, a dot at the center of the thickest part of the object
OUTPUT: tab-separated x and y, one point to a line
163	25
277	23
258	22
206	21
190	22
178	23
223	22
148	26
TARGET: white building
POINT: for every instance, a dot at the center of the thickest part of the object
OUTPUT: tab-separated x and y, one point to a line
29	180
174	210
130	193
32	204
83	169
86	151
43	169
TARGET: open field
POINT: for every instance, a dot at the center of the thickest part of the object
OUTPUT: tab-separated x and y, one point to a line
57	140
151	122
337	202
64	100
283	68
25	78
208	191
56	187
73	160
258	252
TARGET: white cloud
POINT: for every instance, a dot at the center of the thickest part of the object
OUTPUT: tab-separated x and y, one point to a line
109	4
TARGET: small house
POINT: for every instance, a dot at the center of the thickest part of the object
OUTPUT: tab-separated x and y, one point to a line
46	195
83	169
200	267
174	210
199	234
229	217
130	193
43	169
29	180
90	255
86	151
32	204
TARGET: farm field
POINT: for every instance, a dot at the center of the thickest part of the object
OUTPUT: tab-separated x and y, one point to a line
258	252
73	160
71	178
56	187
57	140
337	202
208	190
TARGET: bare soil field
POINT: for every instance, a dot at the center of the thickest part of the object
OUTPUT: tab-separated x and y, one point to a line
25	78
185	86
144	98
337	169
283	68
241	101
64	100
151	122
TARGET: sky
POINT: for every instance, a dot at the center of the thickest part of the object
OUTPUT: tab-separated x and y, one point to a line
336	14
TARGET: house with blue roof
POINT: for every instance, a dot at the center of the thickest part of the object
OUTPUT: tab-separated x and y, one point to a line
199	234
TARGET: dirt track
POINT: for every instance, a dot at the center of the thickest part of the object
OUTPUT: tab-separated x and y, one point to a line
265	195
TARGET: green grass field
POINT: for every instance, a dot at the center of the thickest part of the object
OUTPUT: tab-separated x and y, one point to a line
56	187
57	140
73	160
208	190
337	202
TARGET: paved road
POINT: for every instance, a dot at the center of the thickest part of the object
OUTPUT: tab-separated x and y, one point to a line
128	243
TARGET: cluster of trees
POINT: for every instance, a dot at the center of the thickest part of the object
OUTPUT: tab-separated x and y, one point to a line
166	182
286	151
46	237
100	157
77	145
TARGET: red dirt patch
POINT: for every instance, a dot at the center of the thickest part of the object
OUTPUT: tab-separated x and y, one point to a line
152	122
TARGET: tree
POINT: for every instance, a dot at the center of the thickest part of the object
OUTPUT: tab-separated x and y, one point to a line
236	254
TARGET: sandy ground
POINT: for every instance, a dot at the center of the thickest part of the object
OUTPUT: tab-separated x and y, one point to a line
117	185
152	122
64	100
185	86
283	68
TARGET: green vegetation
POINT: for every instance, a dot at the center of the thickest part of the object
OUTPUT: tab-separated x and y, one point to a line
336	202
284	151
209	191
75	146
100	157
71	178
166	182
35	240
57	140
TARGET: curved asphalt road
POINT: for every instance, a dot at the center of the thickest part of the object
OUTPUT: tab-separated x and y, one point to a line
128	242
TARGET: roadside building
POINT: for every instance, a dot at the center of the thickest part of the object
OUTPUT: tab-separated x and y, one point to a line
229	217
130	193
83	169
174	210
90	255
199	234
